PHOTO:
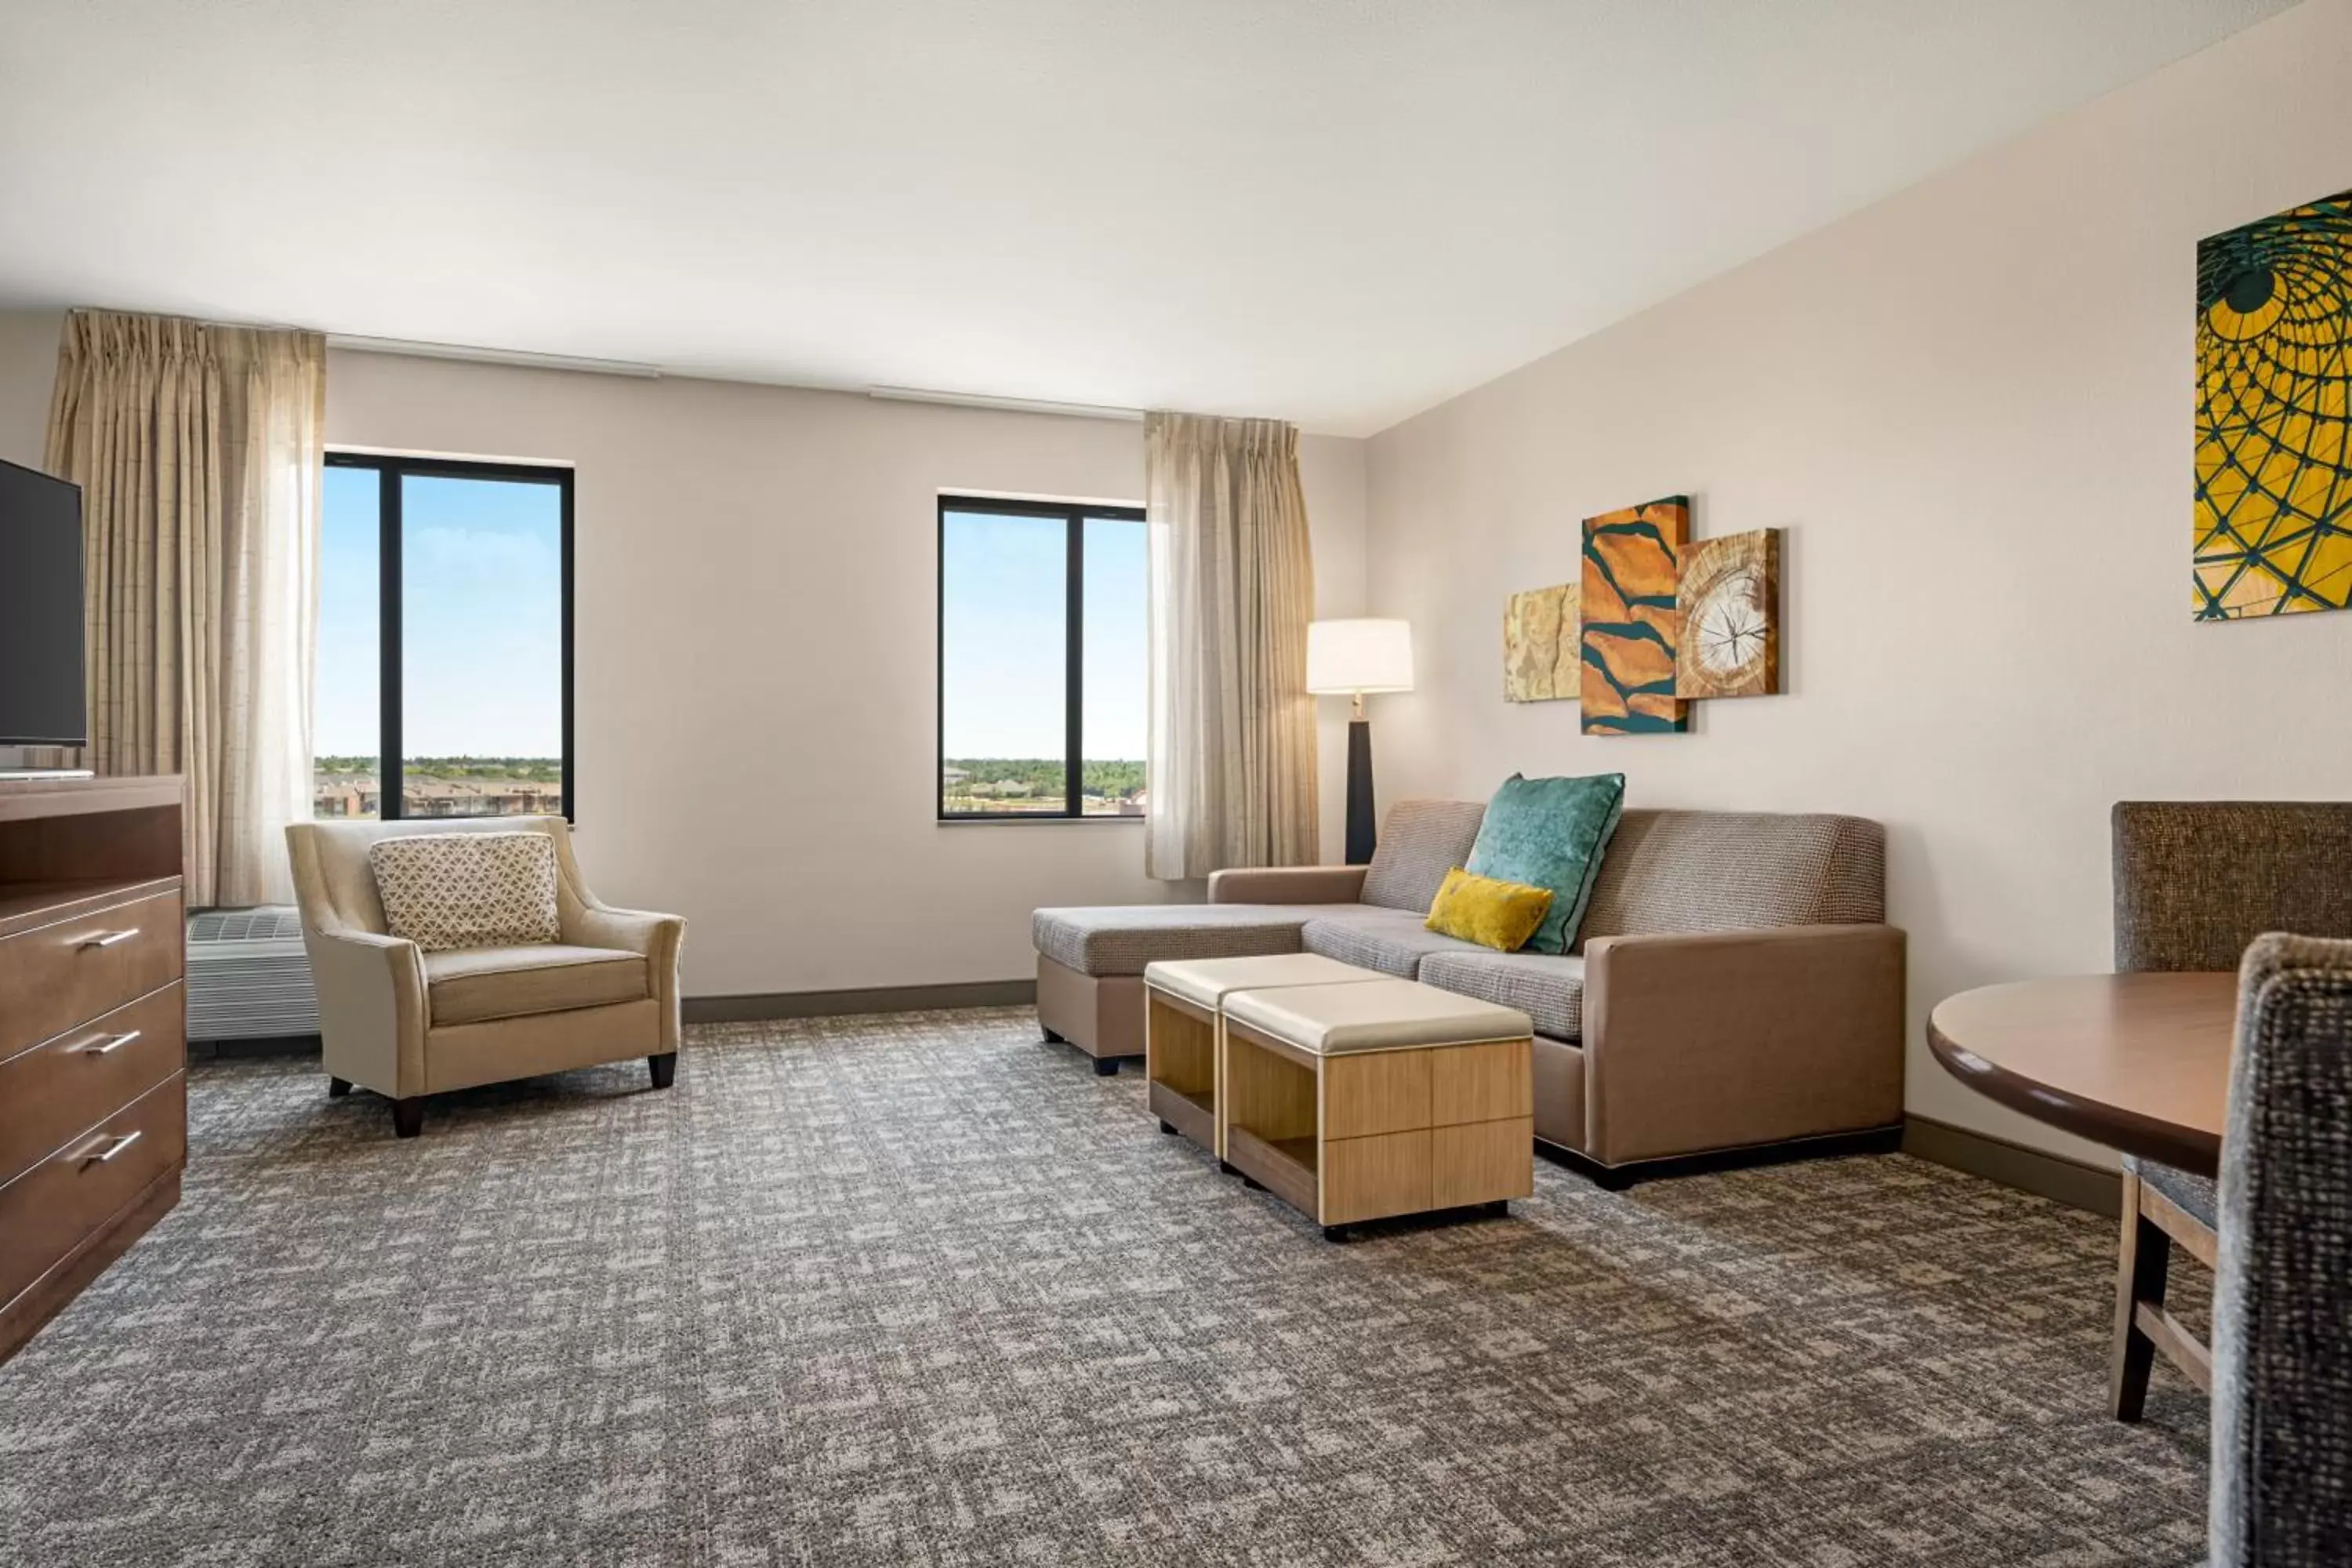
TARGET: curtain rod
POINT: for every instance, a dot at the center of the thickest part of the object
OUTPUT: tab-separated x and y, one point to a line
524	360
1005	405
516	357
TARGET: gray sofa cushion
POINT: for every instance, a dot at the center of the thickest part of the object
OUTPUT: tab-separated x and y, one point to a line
1721	871
1548	987
1420	840
1122	938
1391	940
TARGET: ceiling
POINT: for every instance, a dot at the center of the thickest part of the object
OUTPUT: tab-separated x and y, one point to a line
1337	212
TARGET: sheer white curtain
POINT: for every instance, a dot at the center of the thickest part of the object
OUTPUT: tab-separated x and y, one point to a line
1232	760
200	449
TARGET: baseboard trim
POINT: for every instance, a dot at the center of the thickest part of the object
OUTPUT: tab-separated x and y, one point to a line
746	1008
751	1007
2035	1170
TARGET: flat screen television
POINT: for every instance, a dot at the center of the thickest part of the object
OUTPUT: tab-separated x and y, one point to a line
42	701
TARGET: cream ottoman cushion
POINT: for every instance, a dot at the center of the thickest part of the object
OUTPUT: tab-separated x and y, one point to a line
1373	1015
1206	982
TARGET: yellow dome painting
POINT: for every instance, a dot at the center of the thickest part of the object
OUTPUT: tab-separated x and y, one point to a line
2274	525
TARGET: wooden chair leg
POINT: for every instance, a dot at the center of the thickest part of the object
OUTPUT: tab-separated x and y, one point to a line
2143	1256
664	1069
408	1116
338	1087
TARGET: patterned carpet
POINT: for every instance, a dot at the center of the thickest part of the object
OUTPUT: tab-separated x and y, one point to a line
918	1289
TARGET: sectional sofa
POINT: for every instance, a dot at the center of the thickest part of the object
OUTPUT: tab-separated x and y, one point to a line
1735	990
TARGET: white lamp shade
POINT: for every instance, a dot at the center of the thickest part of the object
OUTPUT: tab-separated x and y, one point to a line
1349	657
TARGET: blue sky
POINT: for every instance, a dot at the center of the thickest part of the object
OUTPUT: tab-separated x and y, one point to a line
482	633
1004	634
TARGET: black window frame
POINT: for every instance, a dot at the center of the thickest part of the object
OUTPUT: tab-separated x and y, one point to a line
391	468
1074	516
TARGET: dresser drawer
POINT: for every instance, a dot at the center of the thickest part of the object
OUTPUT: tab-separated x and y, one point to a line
47	1210
52	1093
61	975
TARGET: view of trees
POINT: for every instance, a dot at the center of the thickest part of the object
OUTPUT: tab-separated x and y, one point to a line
1001	784
1112	781
534	770
343	786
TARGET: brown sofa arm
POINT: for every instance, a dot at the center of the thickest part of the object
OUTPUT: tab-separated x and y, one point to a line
1287	885
1727	1038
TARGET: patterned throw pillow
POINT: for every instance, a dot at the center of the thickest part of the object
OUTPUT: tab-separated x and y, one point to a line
442	891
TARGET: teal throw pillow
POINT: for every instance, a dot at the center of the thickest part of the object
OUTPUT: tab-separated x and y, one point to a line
1549	833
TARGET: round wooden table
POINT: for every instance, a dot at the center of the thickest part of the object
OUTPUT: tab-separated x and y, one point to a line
2138	1062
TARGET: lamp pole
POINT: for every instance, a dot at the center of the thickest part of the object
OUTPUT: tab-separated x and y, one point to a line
1360	814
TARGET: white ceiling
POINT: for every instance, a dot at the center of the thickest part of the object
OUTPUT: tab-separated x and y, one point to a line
1334	211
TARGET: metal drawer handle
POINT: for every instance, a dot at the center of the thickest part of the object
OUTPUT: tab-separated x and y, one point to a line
106	939
116	1147
108	1047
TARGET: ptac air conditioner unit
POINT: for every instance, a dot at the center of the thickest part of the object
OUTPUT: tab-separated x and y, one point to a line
248	978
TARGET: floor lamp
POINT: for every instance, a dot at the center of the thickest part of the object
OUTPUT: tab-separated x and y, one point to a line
1355	659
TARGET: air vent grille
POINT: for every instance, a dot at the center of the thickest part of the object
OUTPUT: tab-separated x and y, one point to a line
248	976
267	923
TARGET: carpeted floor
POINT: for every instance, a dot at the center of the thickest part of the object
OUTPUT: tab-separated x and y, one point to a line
918	1289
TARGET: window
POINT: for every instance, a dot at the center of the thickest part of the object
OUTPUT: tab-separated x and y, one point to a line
444	640
1042	683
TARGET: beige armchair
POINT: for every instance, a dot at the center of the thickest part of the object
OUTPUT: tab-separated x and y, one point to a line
406	1022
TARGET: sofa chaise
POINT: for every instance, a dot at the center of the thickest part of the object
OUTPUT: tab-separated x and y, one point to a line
1736	989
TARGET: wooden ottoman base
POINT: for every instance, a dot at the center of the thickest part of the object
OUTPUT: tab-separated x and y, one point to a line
1373	1134
1180	1065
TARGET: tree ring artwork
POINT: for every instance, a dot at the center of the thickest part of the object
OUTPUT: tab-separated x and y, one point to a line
1730	596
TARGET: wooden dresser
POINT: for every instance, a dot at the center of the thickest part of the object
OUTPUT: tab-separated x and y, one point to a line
93	1019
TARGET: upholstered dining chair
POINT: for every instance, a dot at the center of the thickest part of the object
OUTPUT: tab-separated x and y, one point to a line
407	1023
2281	1482
2195	883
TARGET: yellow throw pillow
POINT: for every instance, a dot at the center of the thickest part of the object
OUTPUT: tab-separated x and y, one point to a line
1500	915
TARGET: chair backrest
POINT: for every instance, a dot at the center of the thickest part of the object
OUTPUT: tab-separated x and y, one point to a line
1420	840
334	884
1668	871
2282	1486
2194	882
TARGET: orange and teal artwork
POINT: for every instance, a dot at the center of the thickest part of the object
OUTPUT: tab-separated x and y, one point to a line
1632	619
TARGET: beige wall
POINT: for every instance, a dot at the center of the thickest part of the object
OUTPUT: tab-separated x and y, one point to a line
755	679
1970	407
28	368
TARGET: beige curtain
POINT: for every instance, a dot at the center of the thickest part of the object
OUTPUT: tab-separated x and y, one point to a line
1231	762
199	449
